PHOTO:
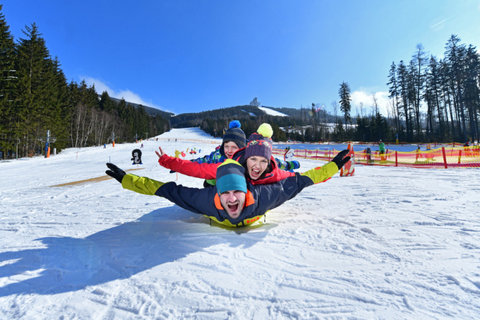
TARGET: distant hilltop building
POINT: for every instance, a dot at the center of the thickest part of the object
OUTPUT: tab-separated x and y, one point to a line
254	102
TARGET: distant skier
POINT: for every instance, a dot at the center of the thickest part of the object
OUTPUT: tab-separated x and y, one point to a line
381	149
288	163
289	154
368	155
136	156
418	154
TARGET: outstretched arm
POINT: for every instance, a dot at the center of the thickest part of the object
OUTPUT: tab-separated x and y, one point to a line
132	182
325	172
187	167
192	199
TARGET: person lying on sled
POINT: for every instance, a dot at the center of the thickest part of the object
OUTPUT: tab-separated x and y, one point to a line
232	201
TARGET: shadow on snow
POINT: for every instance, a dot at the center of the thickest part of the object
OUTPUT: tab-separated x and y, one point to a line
70	264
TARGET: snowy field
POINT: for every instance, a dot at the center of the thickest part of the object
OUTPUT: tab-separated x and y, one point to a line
388	243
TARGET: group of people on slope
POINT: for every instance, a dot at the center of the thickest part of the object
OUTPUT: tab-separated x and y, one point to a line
255	154
243	179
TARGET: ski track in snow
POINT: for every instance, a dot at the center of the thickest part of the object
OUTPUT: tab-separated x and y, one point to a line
387	243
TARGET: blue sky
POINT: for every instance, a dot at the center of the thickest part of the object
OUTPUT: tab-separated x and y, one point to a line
190	56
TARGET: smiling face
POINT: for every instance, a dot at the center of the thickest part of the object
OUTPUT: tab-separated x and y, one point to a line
256	166
233	202
230	148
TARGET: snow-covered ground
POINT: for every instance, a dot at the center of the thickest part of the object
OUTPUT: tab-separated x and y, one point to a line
387	243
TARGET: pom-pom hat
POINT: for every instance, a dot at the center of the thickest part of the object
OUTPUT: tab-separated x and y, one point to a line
265	129
231	176
261	147
259	143
235	134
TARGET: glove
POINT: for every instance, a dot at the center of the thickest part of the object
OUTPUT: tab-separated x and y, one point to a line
340	159
115	172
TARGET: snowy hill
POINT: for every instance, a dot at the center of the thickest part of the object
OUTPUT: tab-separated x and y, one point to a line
189	133
272	112
389	243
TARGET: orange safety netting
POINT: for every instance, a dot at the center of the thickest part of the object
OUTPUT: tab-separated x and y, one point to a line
444	157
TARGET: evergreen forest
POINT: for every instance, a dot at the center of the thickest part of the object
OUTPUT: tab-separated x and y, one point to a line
36	100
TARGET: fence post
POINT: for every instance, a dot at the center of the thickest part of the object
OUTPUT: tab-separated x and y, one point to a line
444	157
396	158
459	156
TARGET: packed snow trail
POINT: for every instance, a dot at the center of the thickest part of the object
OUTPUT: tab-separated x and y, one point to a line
386	243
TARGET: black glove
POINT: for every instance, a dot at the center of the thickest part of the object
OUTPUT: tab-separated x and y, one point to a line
115	172
340	159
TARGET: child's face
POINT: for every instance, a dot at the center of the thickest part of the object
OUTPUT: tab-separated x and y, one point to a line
230	148
256	165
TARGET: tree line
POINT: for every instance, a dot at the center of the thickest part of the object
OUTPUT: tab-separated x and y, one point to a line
431	99
437	99
36	98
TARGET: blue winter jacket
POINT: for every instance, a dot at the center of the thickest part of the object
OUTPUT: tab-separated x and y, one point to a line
214	157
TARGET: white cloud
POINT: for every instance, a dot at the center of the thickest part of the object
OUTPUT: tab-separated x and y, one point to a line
364	99
439	24
128	95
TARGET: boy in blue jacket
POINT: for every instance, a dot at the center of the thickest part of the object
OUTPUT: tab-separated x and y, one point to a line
232	202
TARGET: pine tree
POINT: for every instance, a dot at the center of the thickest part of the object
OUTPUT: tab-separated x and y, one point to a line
106	103
403	82
433	99
446	96
58	116
417	66
394	93
345	101
472	92
455	54
8	87
34	75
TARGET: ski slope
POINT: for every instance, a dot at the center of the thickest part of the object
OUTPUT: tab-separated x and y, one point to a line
387	243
